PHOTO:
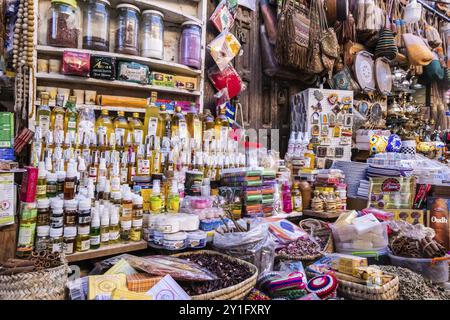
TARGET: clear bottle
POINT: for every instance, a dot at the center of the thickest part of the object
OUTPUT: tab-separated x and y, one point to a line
57	115
127	213
155	199
27	229
43	115
104	228
104	125
70	234
96	23
56	240
136	230
52	184
71	116
42	238
136	129
70	213
297	205
221	128
94	237
208	125
121	130
83	240
179	125
194	126
163	118
138	207
173	201
70	181
114	227
43	212
41	186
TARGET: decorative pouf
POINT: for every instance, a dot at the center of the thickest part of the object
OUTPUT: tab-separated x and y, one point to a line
323	286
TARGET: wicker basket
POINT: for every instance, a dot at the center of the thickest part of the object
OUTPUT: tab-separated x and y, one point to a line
323	229
356	291
48	284
236	292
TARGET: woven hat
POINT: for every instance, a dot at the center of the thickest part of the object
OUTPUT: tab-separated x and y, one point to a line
386	46
323	286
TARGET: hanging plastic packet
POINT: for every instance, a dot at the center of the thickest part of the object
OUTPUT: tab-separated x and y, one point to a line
227	80
232	6
222	18
224	48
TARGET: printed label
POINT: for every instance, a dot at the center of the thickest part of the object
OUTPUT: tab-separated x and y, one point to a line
143	167
59	122
85	245
114	235
56	247
95	240
41	190
152	125
68	248
105	237
26	234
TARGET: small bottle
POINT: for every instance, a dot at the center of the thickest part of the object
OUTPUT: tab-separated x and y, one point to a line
27	229
155	199
70	234
297	205
84	212
107	192
70	213
83	240
114	227
52	184
291	146
41	186
95	231
286	197
104	227
102	172
173	201
43	212
70	181
136	230
42	238
61	177
84	175
57	216
126	218
138	209
56	240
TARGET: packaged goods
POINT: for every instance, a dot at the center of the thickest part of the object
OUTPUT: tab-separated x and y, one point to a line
103	67
76	63
104	285
187	83
132	72
162	79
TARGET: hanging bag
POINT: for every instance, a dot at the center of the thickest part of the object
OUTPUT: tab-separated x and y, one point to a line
315	64
417	50
386	46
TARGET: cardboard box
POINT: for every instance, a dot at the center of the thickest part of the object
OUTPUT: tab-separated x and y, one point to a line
187	83
413	216
6	129
162	79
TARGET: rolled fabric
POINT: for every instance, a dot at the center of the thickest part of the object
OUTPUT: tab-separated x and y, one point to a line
118	101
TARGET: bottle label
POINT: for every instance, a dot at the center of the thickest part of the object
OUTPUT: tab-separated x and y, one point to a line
137	223
155	204
152	125
69	185
70	219
136	235
56	247
182	130
95	240
85	245
143	167
84	230
72	123
44	124
104	237
125	224
138	213
51	189
59	122
68	248
138	136
124	175
26	234
197	130
83	219
41	190
114	235
297	203
56	221
127	210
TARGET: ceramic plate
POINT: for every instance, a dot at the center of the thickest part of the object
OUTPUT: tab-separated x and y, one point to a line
364	70
383	75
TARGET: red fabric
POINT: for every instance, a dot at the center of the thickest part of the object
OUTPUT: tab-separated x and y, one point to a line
227	79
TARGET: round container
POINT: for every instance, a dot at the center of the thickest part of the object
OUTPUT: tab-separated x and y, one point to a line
127	29
152	34
63	24
196	239
436	272
56	239
42	238
188	222
70	233
190	45
158	238
200	203
168	224
96	25
175	241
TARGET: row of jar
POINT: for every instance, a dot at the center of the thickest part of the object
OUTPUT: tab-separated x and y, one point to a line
137	33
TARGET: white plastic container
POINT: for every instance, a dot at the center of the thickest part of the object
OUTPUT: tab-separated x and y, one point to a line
175	241
436	272
348	238
196	239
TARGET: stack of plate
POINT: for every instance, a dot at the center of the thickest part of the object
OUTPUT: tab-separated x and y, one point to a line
354	172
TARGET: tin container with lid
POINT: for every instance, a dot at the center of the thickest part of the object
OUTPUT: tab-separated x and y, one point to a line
190	44
174	241
63	24
127	34
96	20
152	36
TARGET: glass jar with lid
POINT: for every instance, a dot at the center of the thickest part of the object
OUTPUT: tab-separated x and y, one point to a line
190	44
63	24
96	25
152	36
127	29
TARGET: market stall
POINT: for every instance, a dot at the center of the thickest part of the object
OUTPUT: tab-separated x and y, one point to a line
125	176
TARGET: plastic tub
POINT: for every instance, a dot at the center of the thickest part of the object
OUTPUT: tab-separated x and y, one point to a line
347	239
436	272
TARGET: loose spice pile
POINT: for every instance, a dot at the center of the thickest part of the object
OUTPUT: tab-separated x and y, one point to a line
228	271
414	287
301	247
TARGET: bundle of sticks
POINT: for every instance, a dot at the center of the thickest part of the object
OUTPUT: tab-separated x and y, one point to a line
38	261
237	226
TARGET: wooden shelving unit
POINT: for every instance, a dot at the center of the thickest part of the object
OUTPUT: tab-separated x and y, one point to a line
110	250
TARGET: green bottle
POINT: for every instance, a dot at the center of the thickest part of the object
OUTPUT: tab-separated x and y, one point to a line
95	231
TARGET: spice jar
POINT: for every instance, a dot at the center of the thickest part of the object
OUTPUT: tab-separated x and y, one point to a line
52	182
70	234
127	29
96	25
42	238
43	212
70	212
56	239
152	39
83	240
190	45
63	24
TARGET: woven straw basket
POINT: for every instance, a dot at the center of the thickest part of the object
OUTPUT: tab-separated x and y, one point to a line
356	291
236	292
324	230
48	284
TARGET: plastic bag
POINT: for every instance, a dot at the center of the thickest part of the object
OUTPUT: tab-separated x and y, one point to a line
227	80
255	246
224	48
222	18
179	269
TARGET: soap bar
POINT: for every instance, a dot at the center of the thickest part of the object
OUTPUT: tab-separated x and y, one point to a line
103	67
187	83
119	294
132	72
346	218
365	223
105	284
162	79
347	263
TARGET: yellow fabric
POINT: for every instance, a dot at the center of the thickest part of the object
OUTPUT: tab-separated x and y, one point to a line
418	53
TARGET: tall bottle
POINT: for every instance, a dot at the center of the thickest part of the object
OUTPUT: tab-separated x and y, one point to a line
194	126
297	205
121	130
95	231
151	120
70	117
127	213
163	119
286	197
221	127
208	125
114	227
179	125
104	125
156	199
136	129
70	181
43	115
41	186
57	115
173	201
104	227
306	191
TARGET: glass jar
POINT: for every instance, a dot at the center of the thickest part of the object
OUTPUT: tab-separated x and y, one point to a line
63	24
96	25
43	212
56	240
152	37
190	44
127	29
42	238
70	234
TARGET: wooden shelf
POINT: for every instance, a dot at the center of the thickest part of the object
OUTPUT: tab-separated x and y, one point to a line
170	15
112	84
159	65
107	251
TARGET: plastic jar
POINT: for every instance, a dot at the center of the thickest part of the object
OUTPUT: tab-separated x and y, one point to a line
56	239
70	234
96	25
157	237
196	239
190	44
63	24
152	36
83	240
136	230
70	212
175	241
42	238
51	184
127	29
57	218
43	212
